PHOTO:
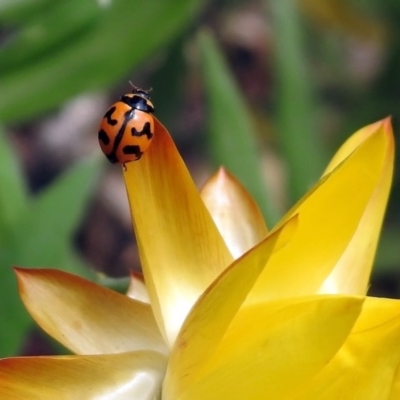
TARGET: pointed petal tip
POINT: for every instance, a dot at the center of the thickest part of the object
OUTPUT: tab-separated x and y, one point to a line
137	288
223	172
18	270
23	271
220	176
234	211
388	127
226	177
22	274
84	316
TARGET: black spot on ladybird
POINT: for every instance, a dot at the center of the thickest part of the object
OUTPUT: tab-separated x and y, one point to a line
145	131
133	149
108	116
104	137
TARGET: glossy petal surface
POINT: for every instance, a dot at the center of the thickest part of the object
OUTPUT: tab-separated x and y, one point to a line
367	366
87	318
234	211
218	306
351	273
271	348
125	376
180	247
329	216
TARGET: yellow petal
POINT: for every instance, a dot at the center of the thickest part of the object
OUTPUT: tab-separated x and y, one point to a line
218	306
395	392
137	289
134	375
271	348
366	366
234	211
354	141
180	247
329	216
351	273
86	318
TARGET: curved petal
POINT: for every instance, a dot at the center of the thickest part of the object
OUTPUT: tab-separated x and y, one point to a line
366	366
134	375
218	306
351	273
234	211
137	289
180	247
329	216
270	348
87	318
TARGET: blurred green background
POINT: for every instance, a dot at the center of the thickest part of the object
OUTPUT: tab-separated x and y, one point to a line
269	89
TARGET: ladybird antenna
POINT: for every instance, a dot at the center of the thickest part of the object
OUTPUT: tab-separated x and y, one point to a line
135	87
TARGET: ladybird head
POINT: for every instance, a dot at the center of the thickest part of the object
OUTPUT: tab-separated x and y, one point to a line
141	93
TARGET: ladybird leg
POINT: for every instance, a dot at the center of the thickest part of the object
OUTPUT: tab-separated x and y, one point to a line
124	167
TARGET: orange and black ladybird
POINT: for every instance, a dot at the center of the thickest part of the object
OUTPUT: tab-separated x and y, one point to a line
127	128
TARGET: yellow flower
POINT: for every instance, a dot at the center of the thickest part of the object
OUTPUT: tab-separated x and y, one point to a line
235	312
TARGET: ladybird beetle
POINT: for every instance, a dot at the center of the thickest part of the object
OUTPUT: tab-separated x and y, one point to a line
127	128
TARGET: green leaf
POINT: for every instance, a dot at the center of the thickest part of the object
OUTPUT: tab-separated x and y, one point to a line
126	33
74	263
303	151
12	11
232	133
14	319
42	237
13	192
43	234
60	22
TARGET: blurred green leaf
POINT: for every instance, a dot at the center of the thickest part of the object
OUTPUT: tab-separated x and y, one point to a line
232	133
74	263
126	33
296	112
168	79
41	237
13	193
43	234
59	23
12	11
14	319
388	254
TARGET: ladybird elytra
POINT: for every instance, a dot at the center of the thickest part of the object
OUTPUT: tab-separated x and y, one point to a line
127	128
